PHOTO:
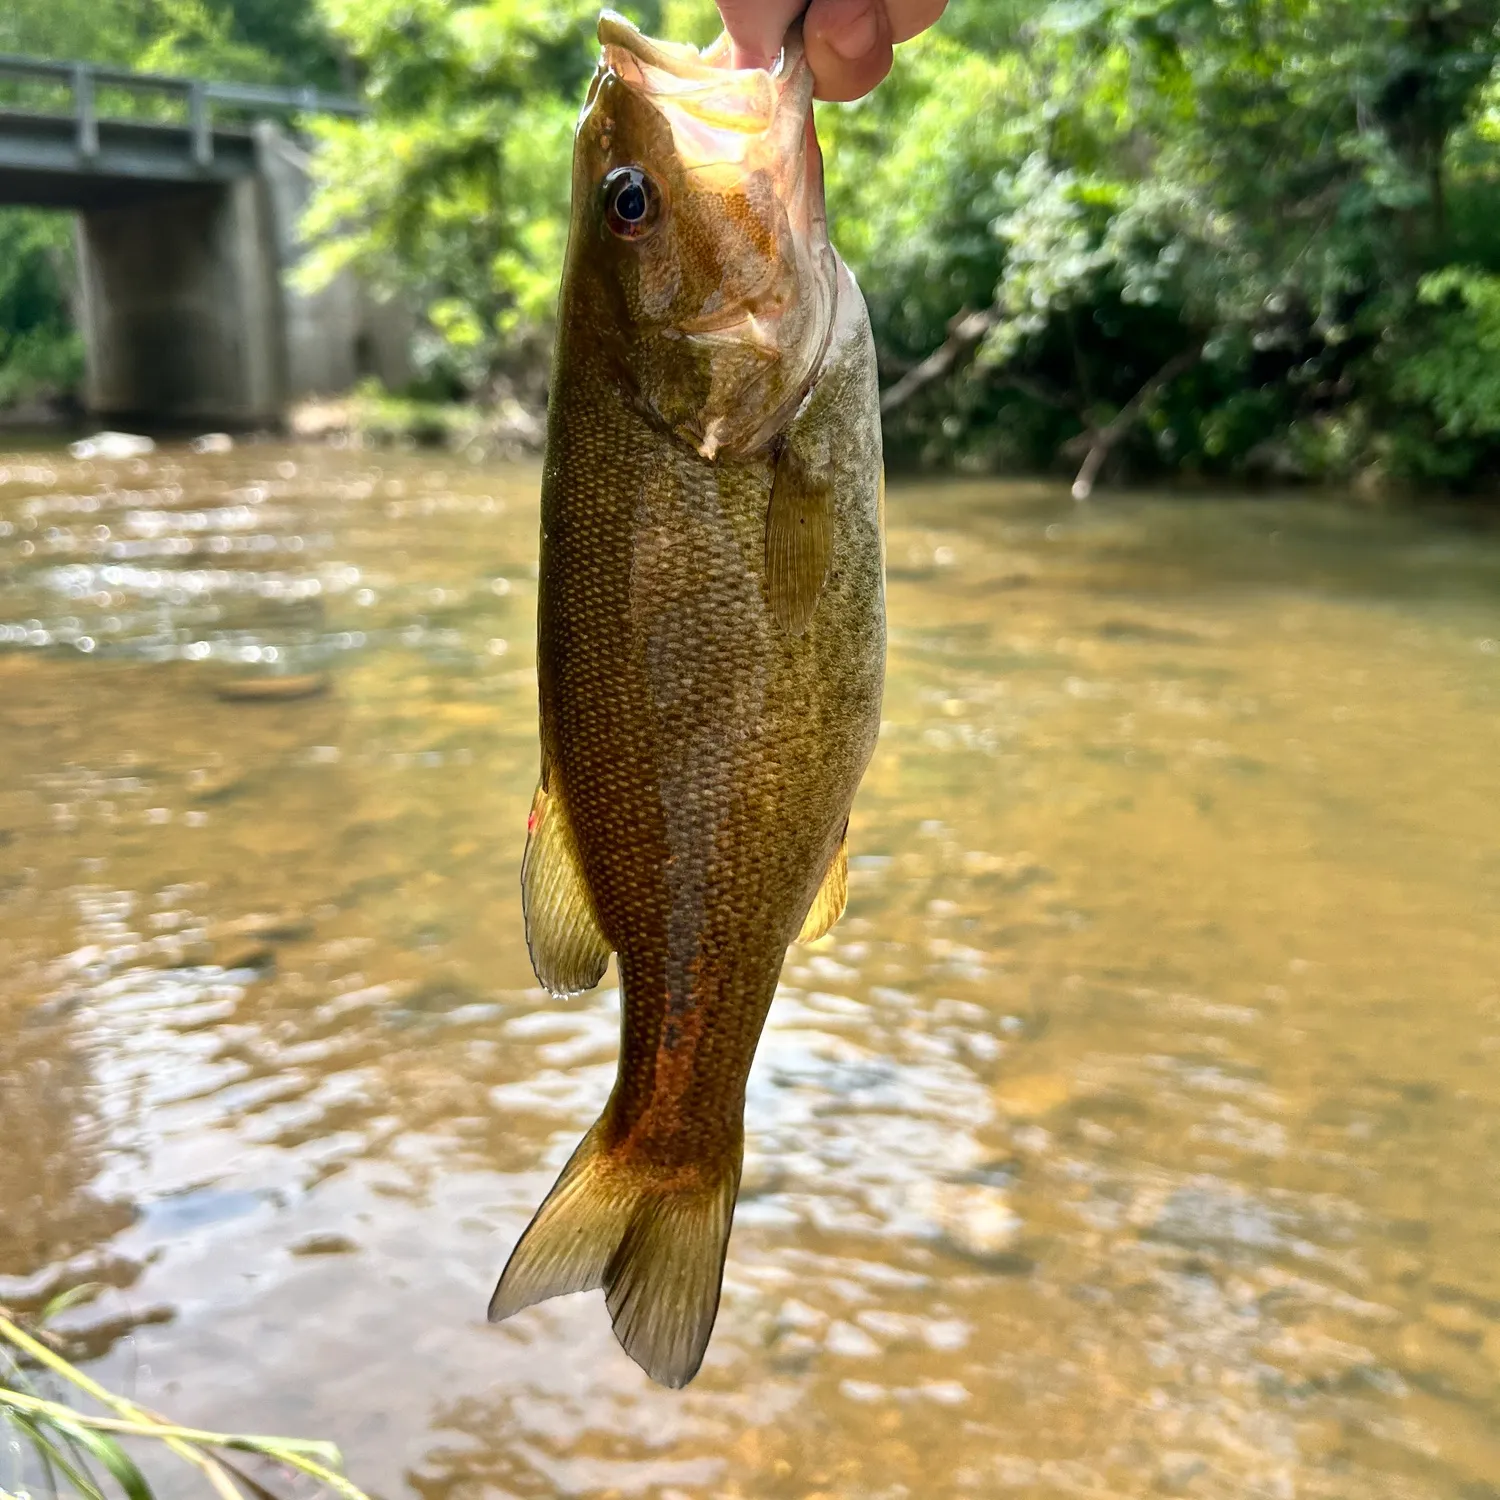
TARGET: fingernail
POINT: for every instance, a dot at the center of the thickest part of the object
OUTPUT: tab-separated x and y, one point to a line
857	38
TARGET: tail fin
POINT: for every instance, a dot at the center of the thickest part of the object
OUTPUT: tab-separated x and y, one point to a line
654	1238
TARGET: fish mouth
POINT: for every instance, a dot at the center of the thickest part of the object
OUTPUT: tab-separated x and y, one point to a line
720	115
674	58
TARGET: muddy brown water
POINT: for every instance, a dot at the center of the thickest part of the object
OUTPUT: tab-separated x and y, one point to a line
1135	1133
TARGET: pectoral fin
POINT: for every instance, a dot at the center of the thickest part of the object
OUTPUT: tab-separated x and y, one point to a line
828	905
799	539
568	951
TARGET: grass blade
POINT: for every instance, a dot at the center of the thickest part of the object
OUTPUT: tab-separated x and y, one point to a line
78	1475
242	1476
276	1447
84	1292
50	1421
107	1451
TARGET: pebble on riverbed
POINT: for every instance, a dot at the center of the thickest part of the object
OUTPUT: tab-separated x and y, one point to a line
272	689
324	1244
247	956
1440	1362
1032	1096
1458	1321
248	942
973	1218
264	927
111	445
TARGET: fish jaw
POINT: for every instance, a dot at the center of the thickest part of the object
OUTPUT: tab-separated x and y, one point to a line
722	316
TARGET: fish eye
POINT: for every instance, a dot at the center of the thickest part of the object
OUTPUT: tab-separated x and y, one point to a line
632	203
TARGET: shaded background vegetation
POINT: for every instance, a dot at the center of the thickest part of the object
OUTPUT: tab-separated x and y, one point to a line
1237	238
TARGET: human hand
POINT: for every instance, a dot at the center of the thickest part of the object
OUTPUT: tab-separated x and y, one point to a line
848	41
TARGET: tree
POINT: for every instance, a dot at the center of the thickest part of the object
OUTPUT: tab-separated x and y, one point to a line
1220	228
456	195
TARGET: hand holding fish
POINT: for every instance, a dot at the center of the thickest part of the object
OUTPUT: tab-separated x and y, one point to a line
849	42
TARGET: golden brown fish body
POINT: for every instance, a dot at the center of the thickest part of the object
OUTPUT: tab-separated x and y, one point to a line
711	648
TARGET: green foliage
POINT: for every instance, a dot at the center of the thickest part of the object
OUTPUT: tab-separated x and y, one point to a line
1244	199
292	39
1222	237
201	40
457	195
243	40
39	351
1199	231
914	185
1455	371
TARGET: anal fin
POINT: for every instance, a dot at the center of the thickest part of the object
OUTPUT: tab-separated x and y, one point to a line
833	895
568	950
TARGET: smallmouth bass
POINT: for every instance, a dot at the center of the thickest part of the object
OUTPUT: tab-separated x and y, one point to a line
711	647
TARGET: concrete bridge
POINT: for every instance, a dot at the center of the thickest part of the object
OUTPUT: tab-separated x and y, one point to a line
187	234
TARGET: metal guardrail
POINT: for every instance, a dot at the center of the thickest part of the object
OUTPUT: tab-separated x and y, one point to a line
84	80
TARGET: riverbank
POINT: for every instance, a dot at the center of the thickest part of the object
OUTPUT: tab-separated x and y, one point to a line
366	418
372	418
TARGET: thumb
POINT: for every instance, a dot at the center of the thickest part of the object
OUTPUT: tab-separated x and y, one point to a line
758	27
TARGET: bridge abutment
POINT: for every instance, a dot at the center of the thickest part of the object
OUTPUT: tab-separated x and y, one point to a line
181	308
339	334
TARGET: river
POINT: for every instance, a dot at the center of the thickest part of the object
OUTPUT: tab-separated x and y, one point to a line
1135	1133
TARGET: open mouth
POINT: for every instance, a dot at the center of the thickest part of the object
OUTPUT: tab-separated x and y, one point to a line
719	114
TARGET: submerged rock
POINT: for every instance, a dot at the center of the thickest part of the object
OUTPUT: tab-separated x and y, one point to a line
973	1218
1032	1096
272	689
1458	1321
324	1244
112	445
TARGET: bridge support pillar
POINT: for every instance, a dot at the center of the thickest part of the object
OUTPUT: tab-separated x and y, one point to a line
338	335
181	308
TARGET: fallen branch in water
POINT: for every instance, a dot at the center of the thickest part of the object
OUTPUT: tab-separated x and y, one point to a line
1102	440
967	331
964	333
68	1443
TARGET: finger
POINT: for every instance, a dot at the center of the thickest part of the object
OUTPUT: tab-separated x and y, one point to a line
757	28
848	46
911	18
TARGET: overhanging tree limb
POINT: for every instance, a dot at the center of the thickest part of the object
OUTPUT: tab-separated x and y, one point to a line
964	334
1102	440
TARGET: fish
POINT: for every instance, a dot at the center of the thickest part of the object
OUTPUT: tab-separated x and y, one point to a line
711	639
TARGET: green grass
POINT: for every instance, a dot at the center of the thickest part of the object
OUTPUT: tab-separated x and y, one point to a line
87	1455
